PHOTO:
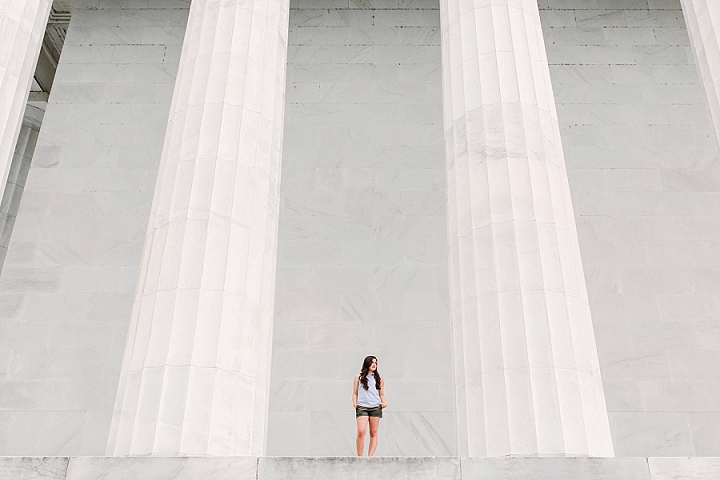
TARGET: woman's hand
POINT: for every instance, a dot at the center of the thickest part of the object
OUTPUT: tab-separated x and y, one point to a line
355	405
383	405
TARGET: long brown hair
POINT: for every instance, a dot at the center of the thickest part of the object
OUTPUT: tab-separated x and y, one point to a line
366	369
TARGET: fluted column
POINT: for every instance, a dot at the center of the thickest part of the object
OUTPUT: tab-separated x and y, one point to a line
17	175
195	373
526	368
22	26
703	22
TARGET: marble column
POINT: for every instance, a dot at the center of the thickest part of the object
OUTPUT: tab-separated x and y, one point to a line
703	23
526	368
19	167
195	371
22	26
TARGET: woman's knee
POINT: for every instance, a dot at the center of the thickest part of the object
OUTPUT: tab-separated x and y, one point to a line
361	433
373	432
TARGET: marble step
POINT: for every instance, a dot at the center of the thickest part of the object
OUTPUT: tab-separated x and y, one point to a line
378	468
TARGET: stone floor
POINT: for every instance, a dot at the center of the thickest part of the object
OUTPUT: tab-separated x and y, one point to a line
326	468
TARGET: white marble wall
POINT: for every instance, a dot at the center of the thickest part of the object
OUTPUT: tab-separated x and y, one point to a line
362	267
643	167
67	285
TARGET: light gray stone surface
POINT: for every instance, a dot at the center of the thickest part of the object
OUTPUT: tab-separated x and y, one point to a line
331	468
31	468
381	468
692	468
555	468
156	468
67	284
643	168
362	266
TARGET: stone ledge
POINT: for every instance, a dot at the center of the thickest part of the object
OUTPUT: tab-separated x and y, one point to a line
380	468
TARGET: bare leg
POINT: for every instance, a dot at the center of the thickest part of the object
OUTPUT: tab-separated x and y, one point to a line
362	423
374	424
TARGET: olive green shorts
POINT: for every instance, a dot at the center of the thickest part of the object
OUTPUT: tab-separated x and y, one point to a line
368	411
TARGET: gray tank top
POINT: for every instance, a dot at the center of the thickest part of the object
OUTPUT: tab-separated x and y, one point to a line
368	398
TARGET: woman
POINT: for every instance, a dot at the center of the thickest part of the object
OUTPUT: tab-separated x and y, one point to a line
369	401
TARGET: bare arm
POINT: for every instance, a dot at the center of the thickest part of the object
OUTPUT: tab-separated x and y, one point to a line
354	396
383	403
